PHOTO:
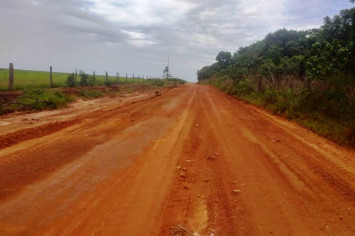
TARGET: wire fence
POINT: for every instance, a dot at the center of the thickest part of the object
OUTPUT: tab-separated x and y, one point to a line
19	79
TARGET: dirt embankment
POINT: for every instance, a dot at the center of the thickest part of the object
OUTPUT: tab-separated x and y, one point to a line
192	160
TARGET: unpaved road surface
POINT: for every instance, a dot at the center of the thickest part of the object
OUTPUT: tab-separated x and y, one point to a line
193	160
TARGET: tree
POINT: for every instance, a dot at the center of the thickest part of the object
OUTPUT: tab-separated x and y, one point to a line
166	73
224	59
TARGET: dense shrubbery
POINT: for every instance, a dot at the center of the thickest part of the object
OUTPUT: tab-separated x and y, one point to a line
304	75
85	80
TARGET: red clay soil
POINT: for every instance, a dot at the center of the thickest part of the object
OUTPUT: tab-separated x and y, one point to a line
192	161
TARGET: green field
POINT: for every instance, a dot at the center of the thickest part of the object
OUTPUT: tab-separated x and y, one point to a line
40	79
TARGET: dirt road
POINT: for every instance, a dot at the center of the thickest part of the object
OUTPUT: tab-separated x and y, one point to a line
193	160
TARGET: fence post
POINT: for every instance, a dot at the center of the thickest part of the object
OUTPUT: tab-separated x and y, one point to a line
106	78
133	78
126	78
50	77
93	79
11	76
76	73
118	77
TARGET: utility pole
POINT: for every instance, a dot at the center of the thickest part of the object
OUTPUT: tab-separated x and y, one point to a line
50	77
93	78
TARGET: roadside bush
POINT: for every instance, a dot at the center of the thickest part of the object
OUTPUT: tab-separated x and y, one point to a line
270	97
334	104
287	102
243	88
84	79
70	81
329	113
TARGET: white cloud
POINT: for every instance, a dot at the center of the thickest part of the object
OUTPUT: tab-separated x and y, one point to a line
138	39
134	35
141	12
137	36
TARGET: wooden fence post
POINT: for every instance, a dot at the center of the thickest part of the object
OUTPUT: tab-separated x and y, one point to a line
11	76
76	73
93	79
106	78
126	78
50	77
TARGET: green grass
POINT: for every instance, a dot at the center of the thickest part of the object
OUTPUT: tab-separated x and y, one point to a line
24	79
324	112
38	99
37	96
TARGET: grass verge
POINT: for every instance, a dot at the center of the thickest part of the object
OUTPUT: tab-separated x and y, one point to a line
36	99
327	113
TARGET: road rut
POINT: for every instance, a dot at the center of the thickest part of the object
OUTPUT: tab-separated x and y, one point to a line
193	160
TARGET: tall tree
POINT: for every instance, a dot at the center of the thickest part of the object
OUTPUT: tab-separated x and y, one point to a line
224	59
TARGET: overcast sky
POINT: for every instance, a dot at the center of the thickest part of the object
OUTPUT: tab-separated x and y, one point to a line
137	36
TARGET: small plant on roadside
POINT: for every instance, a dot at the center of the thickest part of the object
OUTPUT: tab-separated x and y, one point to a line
84	79
92	80
70	81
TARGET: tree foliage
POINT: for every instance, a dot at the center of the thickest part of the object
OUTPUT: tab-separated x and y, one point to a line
70	81
224	59
326	53
298	72
84	79
166	73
